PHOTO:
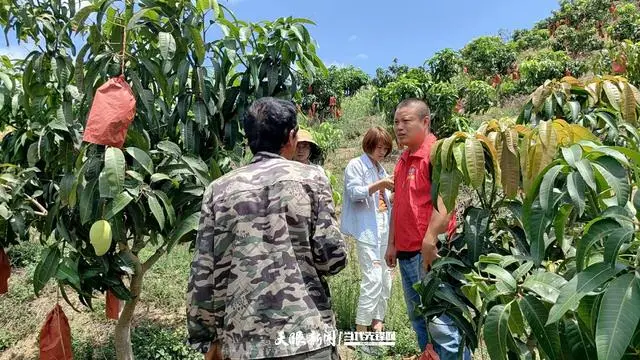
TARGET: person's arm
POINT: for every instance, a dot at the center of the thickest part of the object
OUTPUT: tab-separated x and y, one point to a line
356	188
327	242
437	225
390	256
204	316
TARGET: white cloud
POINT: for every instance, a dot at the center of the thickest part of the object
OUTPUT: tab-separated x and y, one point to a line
362	56
15	51
353	38
339	65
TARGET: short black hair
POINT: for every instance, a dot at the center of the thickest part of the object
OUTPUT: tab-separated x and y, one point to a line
420	105
267	124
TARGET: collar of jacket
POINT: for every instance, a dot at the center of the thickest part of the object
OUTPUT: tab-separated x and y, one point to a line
264	155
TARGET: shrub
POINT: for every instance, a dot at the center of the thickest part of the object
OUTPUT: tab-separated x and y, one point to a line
575	41
442	98
479	97
24	254
444	65
627	26
488	55
547	65
531	39
150	342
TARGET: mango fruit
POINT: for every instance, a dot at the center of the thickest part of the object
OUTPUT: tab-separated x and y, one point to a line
100	236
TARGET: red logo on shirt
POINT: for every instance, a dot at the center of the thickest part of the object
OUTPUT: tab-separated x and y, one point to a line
411	175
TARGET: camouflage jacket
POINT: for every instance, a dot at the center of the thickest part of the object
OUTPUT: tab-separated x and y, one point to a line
268	235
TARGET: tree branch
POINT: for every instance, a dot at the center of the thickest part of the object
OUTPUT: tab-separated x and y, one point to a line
43	211
152	260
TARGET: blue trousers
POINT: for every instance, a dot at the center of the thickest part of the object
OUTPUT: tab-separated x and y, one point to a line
446	337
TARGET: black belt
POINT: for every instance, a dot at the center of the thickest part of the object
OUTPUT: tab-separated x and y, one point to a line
406	255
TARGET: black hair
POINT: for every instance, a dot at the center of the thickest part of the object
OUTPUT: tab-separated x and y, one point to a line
267	124
420	105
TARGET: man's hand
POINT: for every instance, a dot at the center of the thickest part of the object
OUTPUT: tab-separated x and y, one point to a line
429	254
215	352
390	256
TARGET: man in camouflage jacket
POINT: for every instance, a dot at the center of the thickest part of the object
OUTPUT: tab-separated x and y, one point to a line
268	236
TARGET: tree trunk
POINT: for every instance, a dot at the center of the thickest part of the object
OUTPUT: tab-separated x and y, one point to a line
124	349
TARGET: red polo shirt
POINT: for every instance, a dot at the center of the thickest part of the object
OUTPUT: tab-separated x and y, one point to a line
413	205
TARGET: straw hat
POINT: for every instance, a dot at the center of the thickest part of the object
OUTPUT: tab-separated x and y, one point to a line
316	155
305	136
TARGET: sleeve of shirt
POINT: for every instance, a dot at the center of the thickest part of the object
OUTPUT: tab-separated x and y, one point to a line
204	317
327	242
356	189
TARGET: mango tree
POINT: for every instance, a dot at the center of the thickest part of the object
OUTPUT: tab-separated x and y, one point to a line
548	254
191	90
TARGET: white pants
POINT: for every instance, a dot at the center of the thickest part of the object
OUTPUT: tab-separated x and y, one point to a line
375	287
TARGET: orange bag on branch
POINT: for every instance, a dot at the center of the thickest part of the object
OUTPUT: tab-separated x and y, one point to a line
55	336
112	111
5	272
112	307
429	353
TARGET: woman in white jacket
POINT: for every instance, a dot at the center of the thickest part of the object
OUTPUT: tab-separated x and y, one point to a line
365	215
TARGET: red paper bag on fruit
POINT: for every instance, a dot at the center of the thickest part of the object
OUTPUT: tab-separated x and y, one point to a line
5	272
112	306
429	353
112	111
55	336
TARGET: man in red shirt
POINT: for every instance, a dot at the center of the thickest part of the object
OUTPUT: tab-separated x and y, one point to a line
416	224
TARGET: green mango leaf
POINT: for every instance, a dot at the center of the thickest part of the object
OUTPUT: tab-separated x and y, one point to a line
156	209
87	201
198	45
614	241
187	225
595	231
167	206
547	335
572	154
167	45
548	185
450	181
613	94
476	222
616	176
46	268
545	284
559	225
170	148
68	271
576	342
111	181
142	158
496	331
117	205
583	283
586	171
502	275
577	189
474	154
133	22
618	316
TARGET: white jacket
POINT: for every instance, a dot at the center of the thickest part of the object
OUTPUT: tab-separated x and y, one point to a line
359	209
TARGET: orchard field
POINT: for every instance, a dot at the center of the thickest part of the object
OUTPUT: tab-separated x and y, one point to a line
538	152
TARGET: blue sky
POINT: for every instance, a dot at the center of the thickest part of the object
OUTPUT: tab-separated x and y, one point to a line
369	34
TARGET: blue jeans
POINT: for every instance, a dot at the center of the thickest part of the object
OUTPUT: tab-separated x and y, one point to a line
446	337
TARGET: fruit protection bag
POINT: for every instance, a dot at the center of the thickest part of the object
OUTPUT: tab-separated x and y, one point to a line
55	336
5	272
112	307
112	111
429	353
